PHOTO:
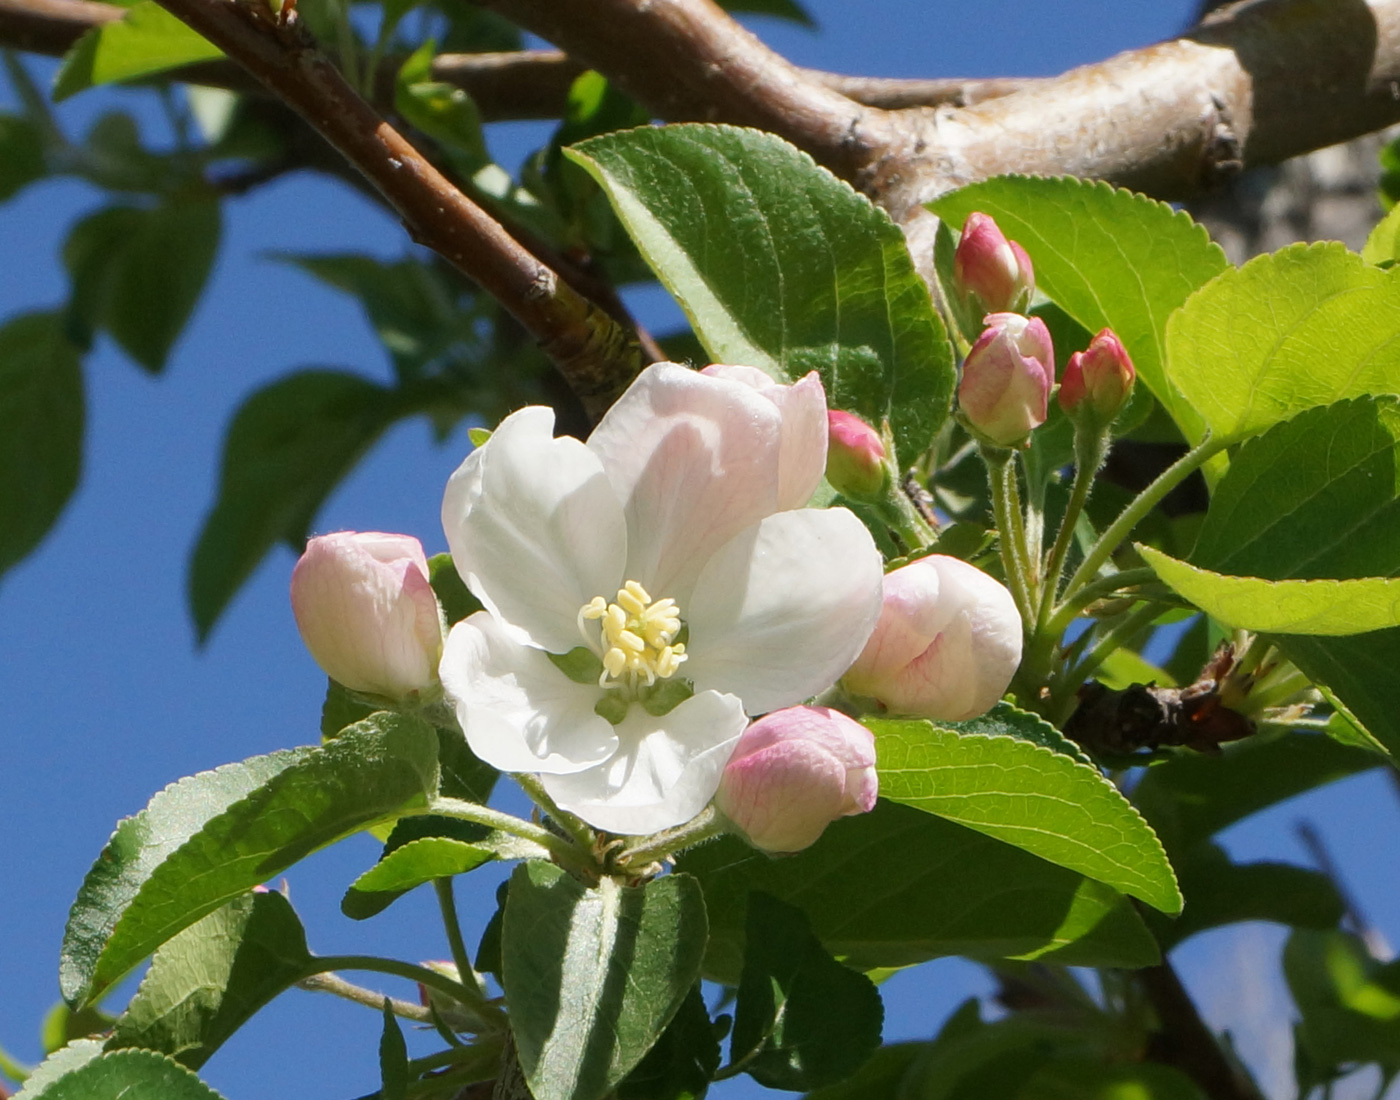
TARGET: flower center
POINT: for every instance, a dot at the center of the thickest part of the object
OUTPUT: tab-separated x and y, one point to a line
639	643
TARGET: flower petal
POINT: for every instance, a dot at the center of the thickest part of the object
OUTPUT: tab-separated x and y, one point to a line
782	610
694	460
519	712
802	458
535	528
665	772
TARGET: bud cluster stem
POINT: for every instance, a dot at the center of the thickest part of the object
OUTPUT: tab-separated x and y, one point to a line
1090	449
1011	530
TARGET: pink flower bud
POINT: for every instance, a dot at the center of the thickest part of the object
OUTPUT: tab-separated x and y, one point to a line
990	273
1005	388
855	456
793	773
1098	379
947	643
367	612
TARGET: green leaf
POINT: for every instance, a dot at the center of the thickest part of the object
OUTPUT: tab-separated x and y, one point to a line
1350	1004
1192	797
594	975
211	837
684	1060
21	155
205	983
898	886
778	9
119	1075
57	1064
1108	257
41	430
780	265
1046	802
879	1079
444	112
452	592
393	1059
1321	607
1088	1079
1359	671
62	1025
801	1019
411	866
1383	244
1317	496
148	39
288	446
1305	326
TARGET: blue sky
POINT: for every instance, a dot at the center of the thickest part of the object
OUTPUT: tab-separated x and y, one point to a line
107	698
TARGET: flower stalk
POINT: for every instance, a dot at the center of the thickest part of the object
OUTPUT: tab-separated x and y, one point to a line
1011	531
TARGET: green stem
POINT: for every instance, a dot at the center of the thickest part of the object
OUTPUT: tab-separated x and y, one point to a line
1095	590
1135	512
447	906
458	991
562	851
1115	639
904	520
1001	480
358	994
1090	448
707	823
582	834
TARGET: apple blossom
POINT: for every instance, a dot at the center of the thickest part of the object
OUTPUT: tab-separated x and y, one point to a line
1006	379
646	589
367	613
793	773
855	457
947	643
990	273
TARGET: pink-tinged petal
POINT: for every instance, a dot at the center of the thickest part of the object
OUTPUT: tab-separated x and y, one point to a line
783	609
694	460
665	772
519	712
802	456
783	796
535	529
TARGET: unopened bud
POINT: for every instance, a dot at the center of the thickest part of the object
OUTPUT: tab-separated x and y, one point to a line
855	456
367	613
947	643
1099	380
793	773
990	273
1005	389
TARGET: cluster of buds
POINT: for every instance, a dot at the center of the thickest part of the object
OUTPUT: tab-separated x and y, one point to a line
1010	370
367	613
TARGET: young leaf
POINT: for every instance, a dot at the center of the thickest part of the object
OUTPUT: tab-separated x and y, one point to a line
213	836
288	446
410	866
208	981
594	975
684	1060
148	39
1305	326
1350	1004
1321	607
1050	803
118	1075
41	430
898	886
801	1019
1107	256
393	1059
780	265
1383	245
59	1062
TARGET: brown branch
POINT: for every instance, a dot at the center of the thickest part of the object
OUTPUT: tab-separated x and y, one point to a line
597	356
1184	1040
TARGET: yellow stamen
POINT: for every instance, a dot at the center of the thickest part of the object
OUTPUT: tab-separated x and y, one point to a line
637	635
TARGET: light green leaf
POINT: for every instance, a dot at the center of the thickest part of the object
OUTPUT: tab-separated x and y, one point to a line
594	975
41	430
1383	244
208	981
148	39
1046	802
1350	1004
1090	1079
801	1019
1109	258
60	1062
211	837
288	446
780	265
444	112
1305	326
415	863
898	886
1321	607
119	1075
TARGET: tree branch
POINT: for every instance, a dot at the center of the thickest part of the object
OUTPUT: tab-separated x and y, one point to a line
597	356
1185	1041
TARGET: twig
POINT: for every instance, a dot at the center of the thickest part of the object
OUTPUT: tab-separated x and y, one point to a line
1370	935
595	355
349	991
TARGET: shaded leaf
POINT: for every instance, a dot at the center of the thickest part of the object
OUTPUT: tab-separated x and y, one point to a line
1349	1002
21	155
780	265
57	1064
684	1060
393	1059
120	1075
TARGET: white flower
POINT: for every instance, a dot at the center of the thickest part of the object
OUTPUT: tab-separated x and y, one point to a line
670	550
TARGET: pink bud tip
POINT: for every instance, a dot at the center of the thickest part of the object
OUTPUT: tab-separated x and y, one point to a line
990	273
1005	389
793	773
1098	380
855	455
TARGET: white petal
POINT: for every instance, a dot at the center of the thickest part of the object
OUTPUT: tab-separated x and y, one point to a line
695	460
519	712
782	611
535	529
665	772
802	459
